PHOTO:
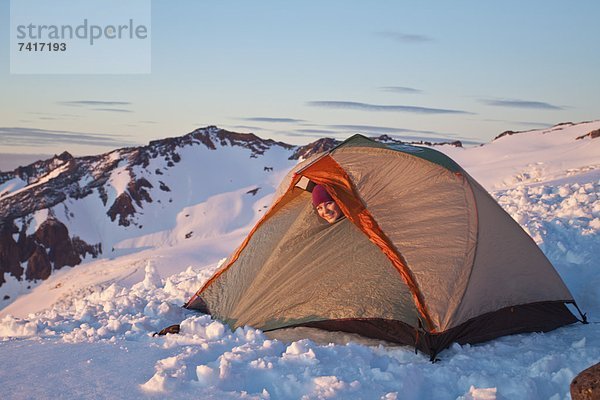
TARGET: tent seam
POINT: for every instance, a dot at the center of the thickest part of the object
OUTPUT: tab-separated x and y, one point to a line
462	297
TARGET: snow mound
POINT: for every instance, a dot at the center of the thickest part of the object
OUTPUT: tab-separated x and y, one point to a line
564	220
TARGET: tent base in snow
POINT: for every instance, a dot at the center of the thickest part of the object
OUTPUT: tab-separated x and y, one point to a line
541	317
424	256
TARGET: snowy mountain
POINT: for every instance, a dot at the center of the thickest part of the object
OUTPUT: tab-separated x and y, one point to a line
147	226
65	210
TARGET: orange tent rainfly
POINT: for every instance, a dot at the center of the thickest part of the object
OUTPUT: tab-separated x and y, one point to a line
424	257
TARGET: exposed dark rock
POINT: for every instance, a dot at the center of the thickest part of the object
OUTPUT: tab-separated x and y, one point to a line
82	248
9	251
319	146
65	156
51	233
586	385
123	208
563	123
388	139
26	244
138	192
50	246
164	187
385	139
103	194
250	141
253	191
592	135
54	235
47	194
506	133
205	140
34	171
455	143
38	265
173	329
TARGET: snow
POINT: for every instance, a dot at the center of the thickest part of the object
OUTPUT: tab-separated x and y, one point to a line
531	157
86	326
37	219
11	186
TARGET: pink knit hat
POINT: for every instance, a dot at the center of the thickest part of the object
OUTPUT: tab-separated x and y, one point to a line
320	195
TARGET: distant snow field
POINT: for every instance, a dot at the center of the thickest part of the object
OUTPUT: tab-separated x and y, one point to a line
86	332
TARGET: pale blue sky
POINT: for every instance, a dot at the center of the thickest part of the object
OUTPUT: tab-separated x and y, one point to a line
295	71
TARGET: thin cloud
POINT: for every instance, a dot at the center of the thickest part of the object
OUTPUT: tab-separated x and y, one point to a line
400	89
301	133
539	105
94	103
98	105
53	114
247	127
269	119
526	123
350	105
405	37
318	131
34	137
535	124
44	116
121	110
377	129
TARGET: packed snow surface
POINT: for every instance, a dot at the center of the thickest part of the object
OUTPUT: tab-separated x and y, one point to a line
86	332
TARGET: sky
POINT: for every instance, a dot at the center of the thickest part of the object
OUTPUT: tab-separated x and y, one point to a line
298	71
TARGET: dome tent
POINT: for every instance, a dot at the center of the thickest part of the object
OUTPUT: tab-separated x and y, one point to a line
424	257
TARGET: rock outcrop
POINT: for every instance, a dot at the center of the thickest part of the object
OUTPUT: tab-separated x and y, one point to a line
319	146
586	385
10	252
592	135
49	248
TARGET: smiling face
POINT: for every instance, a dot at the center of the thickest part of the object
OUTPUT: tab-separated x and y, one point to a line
329	211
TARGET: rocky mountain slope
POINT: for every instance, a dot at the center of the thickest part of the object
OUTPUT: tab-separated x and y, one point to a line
40	202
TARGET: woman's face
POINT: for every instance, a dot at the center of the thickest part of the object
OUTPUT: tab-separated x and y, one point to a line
329	211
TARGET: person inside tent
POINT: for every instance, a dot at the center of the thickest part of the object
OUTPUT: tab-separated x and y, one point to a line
326	207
